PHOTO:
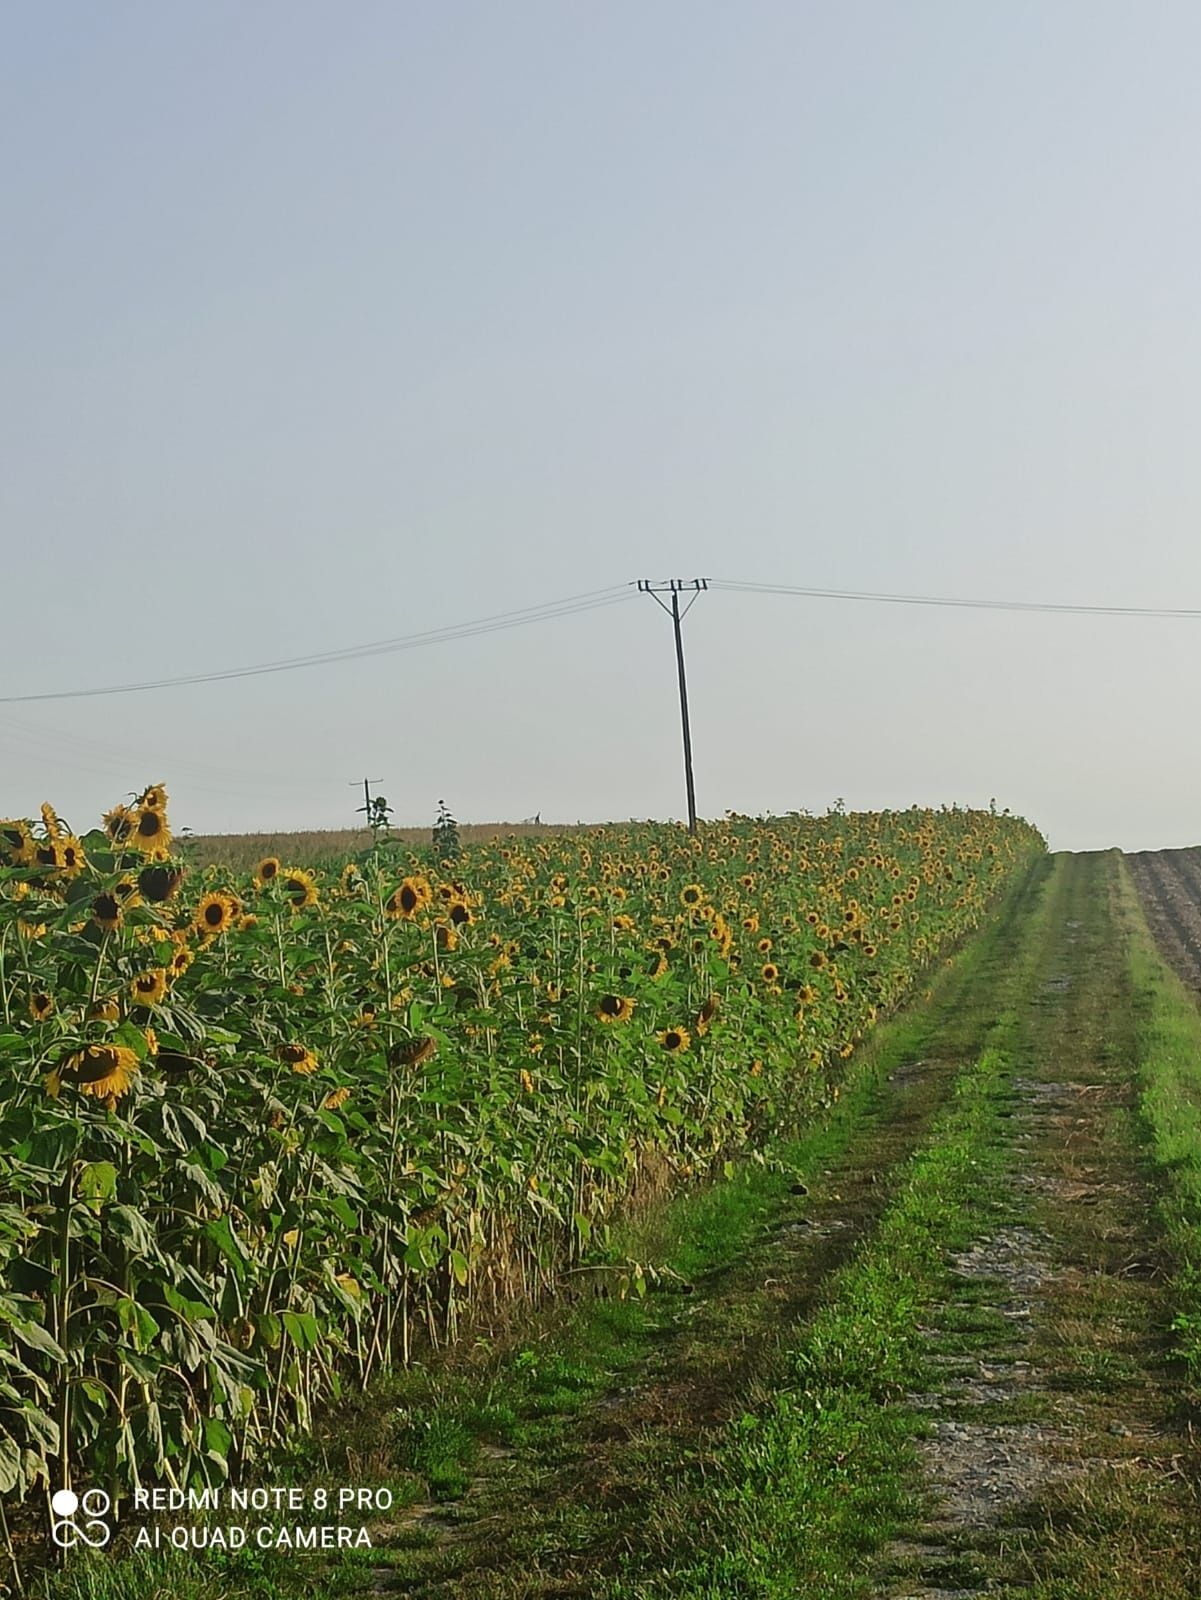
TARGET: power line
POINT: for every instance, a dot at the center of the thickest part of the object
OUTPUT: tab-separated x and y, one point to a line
571	606
734	586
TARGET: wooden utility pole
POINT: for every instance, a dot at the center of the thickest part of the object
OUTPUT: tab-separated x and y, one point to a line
674	587
366	806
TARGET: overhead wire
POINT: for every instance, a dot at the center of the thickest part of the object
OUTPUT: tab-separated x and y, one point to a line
736	586
572	605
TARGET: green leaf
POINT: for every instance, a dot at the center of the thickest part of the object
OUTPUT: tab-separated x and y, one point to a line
37	1338
217	1437
138	1323
10	1463
302	1328
97	1183
220	1231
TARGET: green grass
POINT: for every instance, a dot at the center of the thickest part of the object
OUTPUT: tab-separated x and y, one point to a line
1168	1031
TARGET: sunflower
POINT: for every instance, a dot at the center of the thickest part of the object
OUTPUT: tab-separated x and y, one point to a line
769	972
267	869
151	1039
459	913
16	843
149	988
764	946
527	1081
615	1008
105	1071
298	1058
158	883
46	854
106	911
706	1015
691	894
409	900
181	961
119	823
338	1098
71	856
675	1039
448	938
105	1011
215	913
300	887
54	827
41	1005
411	1052
150	833
154	798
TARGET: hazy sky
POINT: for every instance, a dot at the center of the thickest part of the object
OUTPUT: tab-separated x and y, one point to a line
329	323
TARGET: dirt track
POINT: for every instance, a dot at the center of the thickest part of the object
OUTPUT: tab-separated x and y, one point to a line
1169	884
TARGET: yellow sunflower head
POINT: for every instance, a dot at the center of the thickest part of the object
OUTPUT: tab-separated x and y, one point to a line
149	988
119	823
674	1040
299	886
691	894
154	798
409	900
150	833
215	913
267	870
16	843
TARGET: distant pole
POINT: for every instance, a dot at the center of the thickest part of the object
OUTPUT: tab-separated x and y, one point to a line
674	588
366	806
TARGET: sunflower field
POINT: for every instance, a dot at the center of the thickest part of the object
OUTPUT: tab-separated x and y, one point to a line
261	1136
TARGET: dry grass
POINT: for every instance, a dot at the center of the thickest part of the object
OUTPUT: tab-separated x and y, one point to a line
319	846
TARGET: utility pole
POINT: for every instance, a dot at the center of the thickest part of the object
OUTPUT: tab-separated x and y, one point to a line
675	587
366	807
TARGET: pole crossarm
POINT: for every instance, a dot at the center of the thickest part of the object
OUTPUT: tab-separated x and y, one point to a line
675	587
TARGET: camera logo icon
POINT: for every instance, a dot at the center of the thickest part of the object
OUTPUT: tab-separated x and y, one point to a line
80	1518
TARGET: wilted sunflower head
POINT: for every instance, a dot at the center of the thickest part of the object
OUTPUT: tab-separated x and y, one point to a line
615	1008
150	833
159	883
106	911
41	1005
105	1071
298	1058
411	1052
